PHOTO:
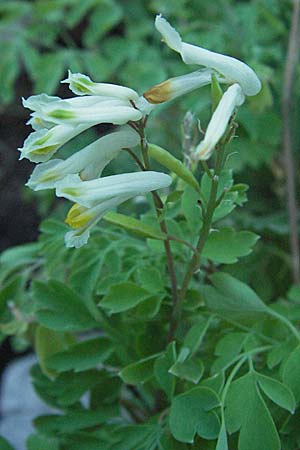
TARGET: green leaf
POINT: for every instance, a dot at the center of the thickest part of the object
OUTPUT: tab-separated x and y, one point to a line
133	437
166	159
21	255
226	245
167	442
105	16
257	429
191	209
161	370
48	342
232	296
277	392
195	336
140	371
291	372
40	442
5	445
294	294
148	308
66	389
190	369
134	225
59	308
191	413
227	349
216	382
75	420
48	63
85	270
150	279
82	356
123	296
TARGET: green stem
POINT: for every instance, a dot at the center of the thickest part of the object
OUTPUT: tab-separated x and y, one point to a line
231	377
204	233
158	206
241	360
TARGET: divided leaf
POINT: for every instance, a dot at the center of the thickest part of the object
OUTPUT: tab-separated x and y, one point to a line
123	296
246	412
161	370
82	356
60	308
227	245
140	371
291	372
231	296
192	413
277	392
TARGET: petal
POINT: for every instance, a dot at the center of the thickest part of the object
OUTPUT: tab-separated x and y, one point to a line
82	85
40	145
233	69
83	219
175	87
91	193
88	162
232	98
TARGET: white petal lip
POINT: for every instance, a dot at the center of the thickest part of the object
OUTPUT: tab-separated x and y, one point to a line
53	138
88	162
233	69
79	236
82	85
91	193
232	98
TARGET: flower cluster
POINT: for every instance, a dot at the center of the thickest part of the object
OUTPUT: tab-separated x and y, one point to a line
56	121
241	78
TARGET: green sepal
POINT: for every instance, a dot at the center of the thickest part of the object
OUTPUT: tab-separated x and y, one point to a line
134	225
169	161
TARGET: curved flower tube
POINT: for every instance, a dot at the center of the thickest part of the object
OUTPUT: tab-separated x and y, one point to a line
90	193
97	197
234	70
232	98
177	86
82	85
79	110
88	162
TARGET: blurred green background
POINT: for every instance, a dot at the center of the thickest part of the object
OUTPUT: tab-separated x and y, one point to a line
115	41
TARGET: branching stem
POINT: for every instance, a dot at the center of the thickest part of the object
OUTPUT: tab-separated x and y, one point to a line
159	206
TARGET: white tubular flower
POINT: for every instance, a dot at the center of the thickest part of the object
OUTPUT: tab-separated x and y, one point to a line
43	143
91	193
88	162
175	87
95	198
82	85
79	110
234	70
232	98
